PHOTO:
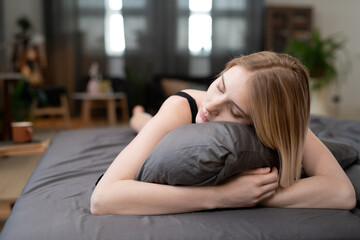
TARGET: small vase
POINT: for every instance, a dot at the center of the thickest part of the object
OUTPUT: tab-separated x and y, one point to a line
93	86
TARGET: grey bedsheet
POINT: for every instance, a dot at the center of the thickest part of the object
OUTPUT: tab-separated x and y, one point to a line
55	202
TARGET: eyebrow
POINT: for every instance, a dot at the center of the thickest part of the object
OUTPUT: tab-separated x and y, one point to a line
238	107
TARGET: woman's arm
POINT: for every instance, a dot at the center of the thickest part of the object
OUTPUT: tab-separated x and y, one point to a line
119	193
326	187
140	198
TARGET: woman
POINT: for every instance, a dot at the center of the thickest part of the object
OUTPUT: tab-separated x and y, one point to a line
267	90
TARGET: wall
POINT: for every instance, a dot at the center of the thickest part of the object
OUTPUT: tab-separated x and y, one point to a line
14	9
1	35
331	17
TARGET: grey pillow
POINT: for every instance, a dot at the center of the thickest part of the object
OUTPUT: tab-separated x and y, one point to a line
206	154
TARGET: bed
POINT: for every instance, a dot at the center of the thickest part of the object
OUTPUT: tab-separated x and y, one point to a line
55	202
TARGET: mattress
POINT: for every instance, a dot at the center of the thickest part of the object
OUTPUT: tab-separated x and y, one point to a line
55	202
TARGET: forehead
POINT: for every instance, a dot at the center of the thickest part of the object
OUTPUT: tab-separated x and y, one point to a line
236	83
237	77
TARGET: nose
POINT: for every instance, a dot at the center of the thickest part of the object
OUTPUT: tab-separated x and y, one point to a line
215	106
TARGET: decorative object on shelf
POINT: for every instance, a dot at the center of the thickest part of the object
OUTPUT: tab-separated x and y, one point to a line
24	24
21	100
22	132
93	86
285	23
28	59
29	53
319	55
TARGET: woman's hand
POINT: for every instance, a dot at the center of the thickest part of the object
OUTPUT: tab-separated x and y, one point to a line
249	188
326	186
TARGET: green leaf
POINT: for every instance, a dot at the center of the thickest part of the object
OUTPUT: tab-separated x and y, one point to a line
318	56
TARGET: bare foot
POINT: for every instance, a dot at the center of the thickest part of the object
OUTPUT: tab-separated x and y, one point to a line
138	109
139	118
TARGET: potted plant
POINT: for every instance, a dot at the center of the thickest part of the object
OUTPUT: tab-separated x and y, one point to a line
21	100
318	55
23	93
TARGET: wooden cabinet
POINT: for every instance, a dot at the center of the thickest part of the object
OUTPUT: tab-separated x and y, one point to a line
284	23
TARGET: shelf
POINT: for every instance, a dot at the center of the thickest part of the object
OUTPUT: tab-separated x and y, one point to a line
10	148
285	23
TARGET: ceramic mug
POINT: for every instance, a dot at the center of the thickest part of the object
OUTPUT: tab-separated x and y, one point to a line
22	131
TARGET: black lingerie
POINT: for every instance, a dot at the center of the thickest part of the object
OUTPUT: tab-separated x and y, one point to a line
192	103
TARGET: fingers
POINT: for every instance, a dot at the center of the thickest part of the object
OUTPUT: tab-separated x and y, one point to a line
270	185
274	169
263	176
256	171
266	196
264	170
265	192
271	177
250	188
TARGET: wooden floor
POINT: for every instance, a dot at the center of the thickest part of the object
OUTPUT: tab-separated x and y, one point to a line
16	170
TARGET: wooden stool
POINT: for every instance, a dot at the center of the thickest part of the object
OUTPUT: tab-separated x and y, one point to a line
110	99
59	109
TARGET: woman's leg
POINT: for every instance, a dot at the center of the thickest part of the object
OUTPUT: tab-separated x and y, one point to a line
139	118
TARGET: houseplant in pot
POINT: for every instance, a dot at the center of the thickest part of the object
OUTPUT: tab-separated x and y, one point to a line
21	100
319	55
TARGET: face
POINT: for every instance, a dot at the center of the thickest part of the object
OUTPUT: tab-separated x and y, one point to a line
227	98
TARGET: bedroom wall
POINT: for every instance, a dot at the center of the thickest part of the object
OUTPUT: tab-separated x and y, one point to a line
331	16
12	10
15	9
334	16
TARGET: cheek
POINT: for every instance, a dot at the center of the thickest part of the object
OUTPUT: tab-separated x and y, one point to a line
206	98
198	119
210	93
212	88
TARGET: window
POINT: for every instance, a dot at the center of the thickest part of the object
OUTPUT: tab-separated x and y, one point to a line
114	28
230	26
200	27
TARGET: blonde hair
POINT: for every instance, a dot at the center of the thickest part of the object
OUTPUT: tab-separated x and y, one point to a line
279	105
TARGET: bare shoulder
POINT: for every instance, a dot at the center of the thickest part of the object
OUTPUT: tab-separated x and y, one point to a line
174	112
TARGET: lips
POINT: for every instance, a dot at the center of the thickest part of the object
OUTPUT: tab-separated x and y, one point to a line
203	117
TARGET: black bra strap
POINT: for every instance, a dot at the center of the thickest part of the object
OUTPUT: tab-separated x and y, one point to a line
192	103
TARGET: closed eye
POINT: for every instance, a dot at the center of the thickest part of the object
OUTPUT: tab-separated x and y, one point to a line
221	86
235	115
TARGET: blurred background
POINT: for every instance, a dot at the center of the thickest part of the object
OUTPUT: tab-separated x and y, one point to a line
136	44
